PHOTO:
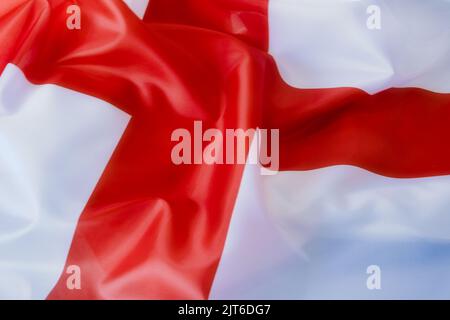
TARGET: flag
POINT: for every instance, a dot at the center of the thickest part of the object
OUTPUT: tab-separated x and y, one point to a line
93	207
91	184
362	110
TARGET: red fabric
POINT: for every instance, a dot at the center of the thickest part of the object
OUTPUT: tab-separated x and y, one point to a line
151	229
244	19
399	132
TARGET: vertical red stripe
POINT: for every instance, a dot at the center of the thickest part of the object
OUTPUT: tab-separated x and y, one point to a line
151	229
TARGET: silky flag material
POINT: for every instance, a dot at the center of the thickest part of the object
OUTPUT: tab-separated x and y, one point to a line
92	205
139	225
365	111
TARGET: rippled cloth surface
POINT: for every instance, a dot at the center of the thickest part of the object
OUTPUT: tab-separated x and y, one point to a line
148	228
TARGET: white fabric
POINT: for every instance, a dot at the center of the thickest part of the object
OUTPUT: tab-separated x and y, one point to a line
326	44
312	234
138	6
55	144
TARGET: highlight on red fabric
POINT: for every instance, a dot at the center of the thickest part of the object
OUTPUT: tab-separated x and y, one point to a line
244	19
